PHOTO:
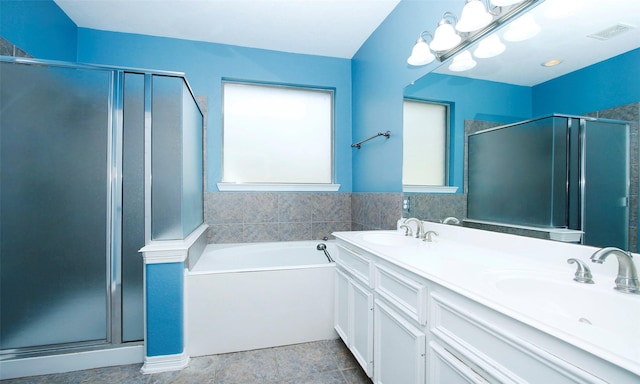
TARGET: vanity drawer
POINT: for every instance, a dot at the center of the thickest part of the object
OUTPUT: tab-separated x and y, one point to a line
495	351
407	294
356	264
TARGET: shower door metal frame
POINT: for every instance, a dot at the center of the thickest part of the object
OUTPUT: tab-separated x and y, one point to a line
114	280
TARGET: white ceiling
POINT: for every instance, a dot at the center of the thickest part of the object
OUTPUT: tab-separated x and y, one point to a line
564	38
338	28
335	28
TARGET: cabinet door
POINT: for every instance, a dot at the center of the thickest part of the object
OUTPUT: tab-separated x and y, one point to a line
399	348
362	326
444	367
342	310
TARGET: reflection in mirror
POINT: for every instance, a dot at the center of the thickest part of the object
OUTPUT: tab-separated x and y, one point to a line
425	131
595	77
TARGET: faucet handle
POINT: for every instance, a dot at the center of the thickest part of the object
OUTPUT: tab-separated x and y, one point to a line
583	273
427	236
407	230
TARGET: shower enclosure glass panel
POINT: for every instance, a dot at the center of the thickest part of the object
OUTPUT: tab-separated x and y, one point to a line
55	131
166	154
176	154
554	172
517	174
605	214
133	224
192	166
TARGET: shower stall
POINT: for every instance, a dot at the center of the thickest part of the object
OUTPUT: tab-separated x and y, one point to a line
79	145
553	172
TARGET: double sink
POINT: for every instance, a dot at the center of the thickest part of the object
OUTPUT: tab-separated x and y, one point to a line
542	293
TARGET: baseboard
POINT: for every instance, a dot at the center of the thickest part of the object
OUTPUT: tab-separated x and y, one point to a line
165	363
67	362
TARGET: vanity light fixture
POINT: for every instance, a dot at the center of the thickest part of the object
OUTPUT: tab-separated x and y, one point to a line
522	29
490	46
445	36
421	54
462	62
474	16
452	36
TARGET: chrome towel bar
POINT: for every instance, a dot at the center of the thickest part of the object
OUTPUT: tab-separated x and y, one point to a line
358	144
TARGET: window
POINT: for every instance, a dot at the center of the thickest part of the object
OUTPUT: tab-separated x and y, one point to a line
425	146
276	135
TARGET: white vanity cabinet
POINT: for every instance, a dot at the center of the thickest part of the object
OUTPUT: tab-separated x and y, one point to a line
380	315
406	326
478	345
354	308
399	348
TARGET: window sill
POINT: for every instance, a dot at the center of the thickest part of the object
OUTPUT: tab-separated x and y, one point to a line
256	187
429	189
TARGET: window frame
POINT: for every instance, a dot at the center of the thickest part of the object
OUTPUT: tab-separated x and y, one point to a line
281	186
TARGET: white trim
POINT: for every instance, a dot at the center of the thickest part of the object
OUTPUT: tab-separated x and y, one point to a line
171	251
247	187
75	361
429	189
165	363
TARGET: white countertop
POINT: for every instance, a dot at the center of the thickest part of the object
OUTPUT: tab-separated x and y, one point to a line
526	279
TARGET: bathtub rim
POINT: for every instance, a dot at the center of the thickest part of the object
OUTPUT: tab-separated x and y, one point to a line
225	246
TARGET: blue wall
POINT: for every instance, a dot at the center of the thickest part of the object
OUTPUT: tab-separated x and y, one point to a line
40	28
165	308
207	64
582	91
380	72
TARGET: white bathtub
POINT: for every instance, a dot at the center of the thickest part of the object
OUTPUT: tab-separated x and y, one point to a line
248	296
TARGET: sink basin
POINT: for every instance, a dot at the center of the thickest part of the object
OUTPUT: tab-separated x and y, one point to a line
392	239
557	298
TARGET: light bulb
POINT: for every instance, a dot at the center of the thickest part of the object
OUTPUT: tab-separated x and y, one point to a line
523	28
445	37
420	54
490	46
462	62
474	17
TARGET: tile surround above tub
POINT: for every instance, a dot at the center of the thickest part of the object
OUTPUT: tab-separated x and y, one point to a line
370	211
246	217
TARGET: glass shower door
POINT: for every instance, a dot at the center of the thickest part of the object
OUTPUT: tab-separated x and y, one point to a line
605	207
54	201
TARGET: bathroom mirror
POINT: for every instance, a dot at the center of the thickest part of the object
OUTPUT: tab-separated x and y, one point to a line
589	33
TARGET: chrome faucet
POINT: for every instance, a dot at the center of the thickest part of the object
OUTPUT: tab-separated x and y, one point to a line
627	280
419	228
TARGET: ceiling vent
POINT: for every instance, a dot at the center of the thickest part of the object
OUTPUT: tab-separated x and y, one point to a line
612	32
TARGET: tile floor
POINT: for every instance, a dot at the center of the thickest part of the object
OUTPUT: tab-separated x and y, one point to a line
322	362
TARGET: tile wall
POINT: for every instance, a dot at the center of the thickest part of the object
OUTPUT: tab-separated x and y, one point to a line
375	210
8	49
436	206
244	217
